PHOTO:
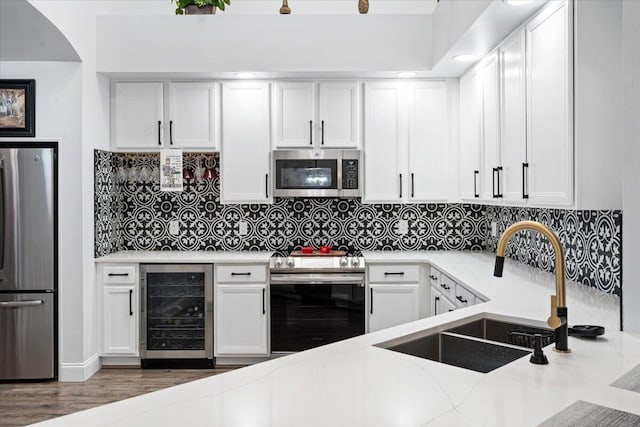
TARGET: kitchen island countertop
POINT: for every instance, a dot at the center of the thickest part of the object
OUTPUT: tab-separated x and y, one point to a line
353	383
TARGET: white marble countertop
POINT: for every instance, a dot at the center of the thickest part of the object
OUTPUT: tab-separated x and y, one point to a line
187	256
353	383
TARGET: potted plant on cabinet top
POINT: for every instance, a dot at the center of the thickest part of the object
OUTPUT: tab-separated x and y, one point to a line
199	7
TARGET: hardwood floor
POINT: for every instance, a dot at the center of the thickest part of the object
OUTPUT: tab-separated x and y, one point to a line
27	403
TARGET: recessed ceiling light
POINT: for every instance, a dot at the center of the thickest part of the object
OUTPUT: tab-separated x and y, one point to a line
245	75
406	74
518	2
464	57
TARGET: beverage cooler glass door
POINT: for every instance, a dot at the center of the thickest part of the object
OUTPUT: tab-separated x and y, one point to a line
177	321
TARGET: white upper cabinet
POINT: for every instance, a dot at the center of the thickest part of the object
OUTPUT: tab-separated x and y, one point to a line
137	115
489	76
316	115
429	141
173	115
294	112
339	115
513	141
193	115
384	136
470	135
407	142
245	153
549	108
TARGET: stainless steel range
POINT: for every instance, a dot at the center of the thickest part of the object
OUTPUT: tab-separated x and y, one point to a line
315	300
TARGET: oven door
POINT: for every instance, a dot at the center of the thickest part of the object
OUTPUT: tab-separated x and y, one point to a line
299	175
310	310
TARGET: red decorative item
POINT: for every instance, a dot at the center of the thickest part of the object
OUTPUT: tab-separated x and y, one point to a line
325	249
307	250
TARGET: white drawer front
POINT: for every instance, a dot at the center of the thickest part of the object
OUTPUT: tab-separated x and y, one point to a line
434	276
464	298
240	273
122	274
447	286
394	273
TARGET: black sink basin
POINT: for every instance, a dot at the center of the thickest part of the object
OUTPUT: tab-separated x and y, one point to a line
464	352
514	333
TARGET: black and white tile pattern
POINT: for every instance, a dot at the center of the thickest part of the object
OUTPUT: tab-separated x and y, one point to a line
592	241
135	216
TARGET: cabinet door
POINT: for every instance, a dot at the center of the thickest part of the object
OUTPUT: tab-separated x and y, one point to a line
549	108
513	141
193	115
470	135
339	115
240	320
428	142
490	128
392	305
383	144
119	322
294	113
137	110
245	153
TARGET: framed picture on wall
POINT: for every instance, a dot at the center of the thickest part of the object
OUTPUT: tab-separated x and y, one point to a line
17	107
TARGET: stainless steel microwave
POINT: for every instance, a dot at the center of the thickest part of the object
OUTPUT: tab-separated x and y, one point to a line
317	173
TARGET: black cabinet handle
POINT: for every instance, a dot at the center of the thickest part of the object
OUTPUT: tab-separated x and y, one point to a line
493	184
264	306
401	186
412	186
525	169
475	184
371	301
499	170
159	131
462	300
433	277
266	185
170	132
241	274
130	302
435	305
310	132
118	274
322	133
398	273
445	287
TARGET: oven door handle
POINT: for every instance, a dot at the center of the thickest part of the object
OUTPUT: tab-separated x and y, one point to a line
317	280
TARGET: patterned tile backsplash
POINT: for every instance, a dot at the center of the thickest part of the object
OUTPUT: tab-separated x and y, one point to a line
592	241
131	213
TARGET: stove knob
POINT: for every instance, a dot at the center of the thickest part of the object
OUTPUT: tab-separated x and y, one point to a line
290	262
355	262
344	262
278	262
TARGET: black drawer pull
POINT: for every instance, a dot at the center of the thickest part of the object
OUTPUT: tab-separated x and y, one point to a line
398	273
371	301
241	274
118	274
462	300
445	287
264	307
433	277
435	305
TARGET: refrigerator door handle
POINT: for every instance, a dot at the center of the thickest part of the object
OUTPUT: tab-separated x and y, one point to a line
17	304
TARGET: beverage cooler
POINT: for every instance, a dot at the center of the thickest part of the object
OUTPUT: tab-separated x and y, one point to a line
177	315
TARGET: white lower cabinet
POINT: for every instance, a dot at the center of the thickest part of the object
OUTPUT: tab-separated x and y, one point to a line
120	310
240	316
392	304
448	295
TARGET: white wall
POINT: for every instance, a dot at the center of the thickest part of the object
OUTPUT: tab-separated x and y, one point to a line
631	156
598	104
58	113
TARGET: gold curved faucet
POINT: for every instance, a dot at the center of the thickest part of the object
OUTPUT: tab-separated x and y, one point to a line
558	318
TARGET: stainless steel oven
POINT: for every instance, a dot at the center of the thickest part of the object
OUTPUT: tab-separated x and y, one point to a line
177	313
313	305
317	173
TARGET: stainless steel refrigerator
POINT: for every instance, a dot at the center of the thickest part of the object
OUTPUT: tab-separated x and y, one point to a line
28	261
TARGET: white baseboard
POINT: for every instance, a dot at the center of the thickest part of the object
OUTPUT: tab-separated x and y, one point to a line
79	372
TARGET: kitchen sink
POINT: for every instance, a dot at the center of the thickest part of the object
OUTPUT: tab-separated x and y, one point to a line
480	343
